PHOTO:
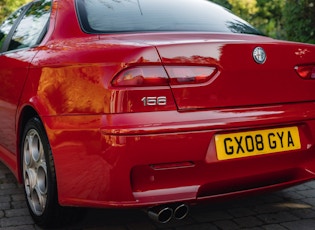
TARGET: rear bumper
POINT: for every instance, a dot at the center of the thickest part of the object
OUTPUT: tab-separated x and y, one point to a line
145	159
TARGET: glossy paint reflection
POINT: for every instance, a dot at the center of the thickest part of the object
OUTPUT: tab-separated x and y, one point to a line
13	74
73	89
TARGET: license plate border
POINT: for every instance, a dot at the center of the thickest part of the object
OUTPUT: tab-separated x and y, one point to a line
224	156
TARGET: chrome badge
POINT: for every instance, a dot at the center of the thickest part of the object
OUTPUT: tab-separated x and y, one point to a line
259	55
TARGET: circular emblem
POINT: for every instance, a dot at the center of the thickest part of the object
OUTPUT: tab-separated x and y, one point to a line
259	55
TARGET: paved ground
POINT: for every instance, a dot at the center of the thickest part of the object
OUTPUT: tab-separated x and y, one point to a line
292	208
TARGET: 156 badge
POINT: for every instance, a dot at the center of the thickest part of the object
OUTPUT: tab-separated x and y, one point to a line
154	101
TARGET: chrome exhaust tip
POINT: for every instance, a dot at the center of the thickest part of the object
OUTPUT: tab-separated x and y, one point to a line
181	211
161	214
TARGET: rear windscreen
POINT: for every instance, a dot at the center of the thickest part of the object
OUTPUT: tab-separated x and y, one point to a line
113	16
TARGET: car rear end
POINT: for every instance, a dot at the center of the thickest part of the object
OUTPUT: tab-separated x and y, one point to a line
239	126
166	115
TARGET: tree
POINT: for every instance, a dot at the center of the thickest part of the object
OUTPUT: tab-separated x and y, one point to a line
8	6
246	9
269	17
299	20
264	15
283	19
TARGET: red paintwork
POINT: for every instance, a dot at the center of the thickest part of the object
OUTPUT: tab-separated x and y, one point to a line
109	150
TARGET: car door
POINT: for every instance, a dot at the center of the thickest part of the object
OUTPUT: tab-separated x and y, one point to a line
20	34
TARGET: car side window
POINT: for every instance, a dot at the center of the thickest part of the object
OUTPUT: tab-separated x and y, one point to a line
6	26
30	30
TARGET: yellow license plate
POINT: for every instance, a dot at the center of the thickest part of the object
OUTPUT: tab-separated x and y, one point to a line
253	143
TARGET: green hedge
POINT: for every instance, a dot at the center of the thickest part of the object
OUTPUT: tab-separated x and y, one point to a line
299	20
292	20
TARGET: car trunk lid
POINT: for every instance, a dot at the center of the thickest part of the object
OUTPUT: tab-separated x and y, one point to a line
239	80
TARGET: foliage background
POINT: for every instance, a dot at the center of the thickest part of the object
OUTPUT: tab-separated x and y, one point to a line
7	6
282	19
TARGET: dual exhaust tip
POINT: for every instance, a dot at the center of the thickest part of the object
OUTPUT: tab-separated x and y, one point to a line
163	214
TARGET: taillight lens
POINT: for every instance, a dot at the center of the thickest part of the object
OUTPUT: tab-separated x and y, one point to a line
183	75
142	76
156	76
306	71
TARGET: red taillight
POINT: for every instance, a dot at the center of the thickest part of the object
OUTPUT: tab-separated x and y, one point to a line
183	75
306	71
142	76
156	76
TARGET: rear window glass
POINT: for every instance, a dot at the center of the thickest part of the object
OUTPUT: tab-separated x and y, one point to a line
113	16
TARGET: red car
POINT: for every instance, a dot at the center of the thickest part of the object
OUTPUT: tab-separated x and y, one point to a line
153	104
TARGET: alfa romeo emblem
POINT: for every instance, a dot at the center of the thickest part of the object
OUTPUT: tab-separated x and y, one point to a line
259	55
